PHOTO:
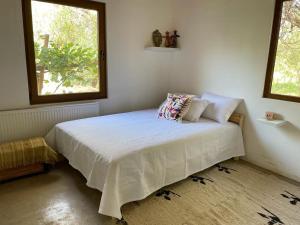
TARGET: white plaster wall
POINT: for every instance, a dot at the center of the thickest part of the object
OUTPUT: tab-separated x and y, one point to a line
13	74
225	46
136	79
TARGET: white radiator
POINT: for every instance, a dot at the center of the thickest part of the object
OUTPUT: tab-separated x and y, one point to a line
36	122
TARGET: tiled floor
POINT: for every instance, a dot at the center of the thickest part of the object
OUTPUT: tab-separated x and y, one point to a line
59	197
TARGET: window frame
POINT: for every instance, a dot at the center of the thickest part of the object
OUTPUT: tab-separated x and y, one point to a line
272	56
30	54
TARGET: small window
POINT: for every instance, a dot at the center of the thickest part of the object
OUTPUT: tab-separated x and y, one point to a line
283	72
65	50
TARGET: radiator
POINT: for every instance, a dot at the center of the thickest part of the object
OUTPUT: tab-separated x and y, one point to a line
36	122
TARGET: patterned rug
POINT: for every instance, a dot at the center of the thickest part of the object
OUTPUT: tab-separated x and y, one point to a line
231	193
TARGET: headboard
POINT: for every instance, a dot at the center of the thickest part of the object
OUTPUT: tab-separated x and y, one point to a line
237	118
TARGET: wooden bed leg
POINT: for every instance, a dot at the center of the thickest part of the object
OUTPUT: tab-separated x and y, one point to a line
236	158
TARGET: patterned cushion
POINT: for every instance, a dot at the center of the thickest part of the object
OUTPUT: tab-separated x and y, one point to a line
172	108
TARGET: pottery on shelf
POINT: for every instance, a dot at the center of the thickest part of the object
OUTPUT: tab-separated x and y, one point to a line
157	38
168	40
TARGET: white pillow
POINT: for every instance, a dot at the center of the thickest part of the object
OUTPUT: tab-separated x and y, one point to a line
196	109
220	108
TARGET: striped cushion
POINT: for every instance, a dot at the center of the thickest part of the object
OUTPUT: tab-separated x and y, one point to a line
186	107
23	153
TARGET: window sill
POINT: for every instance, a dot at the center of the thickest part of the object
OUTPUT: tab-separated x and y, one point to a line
34	100
282	97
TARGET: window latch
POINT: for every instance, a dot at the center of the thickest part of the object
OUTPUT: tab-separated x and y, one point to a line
102	55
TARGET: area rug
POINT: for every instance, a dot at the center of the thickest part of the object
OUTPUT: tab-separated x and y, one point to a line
231	193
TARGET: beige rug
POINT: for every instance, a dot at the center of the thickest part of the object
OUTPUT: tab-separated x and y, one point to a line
232	193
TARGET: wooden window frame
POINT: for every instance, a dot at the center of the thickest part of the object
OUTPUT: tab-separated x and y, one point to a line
30	54
272	56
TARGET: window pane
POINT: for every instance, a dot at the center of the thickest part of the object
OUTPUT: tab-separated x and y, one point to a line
286	77
66	49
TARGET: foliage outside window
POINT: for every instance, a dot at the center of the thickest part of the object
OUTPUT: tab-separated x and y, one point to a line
283	73
65	47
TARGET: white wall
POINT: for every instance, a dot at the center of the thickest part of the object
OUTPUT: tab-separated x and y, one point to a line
136	79
13	74
225	46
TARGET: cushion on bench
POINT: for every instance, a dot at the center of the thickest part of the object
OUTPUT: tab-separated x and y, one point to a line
27	152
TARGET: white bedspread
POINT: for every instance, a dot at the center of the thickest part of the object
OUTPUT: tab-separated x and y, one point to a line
129	156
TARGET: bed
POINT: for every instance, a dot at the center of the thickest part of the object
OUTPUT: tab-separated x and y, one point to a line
128	156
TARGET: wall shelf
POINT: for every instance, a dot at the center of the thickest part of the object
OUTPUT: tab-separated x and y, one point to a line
274	123
161	49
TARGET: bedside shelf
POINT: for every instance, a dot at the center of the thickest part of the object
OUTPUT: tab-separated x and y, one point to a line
274	123
161	49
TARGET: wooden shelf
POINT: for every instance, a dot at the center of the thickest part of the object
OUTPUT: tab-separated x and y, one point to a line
274	123
161	49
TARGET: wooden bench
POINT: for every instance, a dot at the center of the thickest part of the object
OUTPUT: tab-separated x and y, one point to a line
25	157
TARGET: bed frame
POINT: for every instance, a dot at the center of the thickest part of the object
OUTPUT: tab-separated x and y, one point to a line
238	119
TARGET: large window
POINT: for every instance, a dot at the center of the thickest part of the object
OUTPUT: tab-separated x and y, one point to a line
65	50
283	73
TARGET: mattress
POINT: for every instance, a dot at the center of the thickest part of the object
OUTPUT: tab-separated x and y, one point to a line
128	156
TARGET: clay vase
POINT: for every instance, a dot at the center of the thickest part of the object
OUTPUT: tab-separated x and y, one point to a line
167	40
157	38
174	38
